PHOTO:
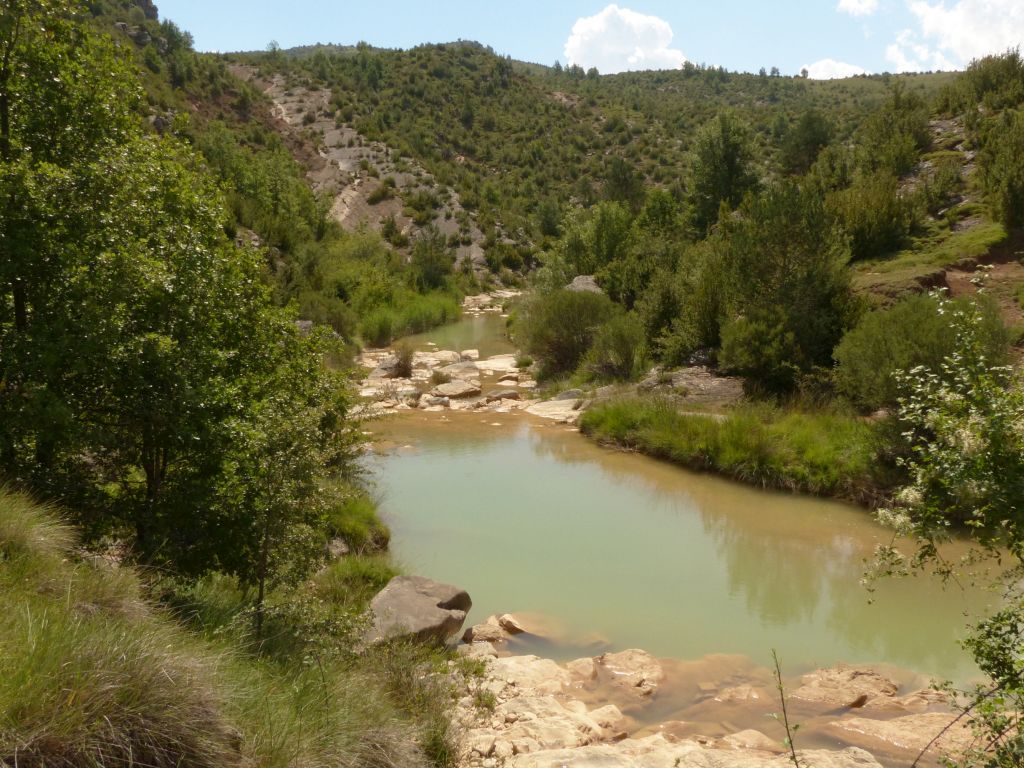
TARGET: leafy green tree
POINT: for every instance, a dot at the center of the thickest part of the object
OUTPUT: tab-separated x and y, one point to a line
623	185
874	214
139	344
1001	162
892	138
784	269
721	168
804	141
431	260
558	328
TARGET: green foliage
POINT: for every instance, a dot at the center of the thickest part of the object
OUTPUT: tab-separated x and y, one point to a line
103	677
918	331
822	453
173	403
618	350
761	348
804	141
874	214
721	168
967	465
893	136
558	328
1001	162
786	288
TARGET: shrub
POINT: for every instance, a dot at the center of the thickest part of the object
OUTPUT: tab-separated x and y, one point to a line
920	330
763	350
356	521
874	214
558	327
404	354
618	351
378	327
1001	162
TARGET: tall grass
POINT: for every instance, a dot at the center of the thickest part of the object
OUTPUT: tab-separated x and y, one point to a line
412	313
93	674
821	453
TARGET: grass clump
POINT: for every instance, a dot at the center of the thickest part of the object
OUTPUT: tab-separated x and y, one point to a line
101	675
356	521
829	454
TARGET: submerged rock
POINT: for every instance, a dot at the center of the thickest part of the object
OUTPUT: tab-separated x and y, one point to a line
412	606
844	686
633	669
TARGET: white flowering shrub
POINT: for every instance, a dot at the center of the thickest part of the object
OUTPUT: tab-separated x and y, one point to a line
965	427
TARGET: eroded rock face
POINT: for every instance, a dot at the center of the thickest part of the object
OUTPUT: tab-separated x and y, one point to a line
844	686
412	606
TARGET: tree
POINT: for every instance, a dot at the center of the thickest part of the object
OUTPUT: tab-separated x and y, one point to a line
1001	162
623	185
785	279
139	344
721	168
804	141
431	260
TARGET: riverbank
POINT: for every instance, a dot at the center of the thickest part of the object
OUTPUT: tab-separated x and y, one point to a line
630	708
823	454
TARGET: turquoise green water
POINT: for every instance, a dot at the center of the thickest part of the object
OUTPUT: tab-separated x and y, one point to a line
624	551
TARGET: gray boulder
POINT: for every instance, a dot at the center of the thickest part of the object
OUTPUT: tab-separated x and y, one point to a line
584	284
456	389
418	608
503	394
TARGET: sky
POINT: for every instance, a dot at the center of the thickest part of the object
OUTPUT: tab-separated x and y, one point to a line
830	38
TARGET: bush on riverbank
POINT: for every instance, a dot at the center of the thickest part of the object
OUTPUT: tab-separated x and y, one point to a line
411	313
104	676
821	453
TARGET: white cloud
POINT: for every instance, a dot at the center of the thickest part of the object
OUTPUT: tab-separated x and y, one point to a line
972	28
949	37
830	69
858	7
618	39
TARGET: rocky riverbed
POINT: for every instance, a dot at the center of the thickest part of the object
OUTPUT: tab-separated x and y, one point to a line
610	710
460	380
629	708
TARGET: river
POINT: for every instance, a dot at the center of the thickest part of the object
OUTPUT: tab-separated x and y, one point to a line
624	551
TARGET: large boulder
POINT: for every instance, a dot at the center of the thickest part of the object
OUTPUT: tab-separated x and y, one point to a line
456	389
584	284
466	370
412	606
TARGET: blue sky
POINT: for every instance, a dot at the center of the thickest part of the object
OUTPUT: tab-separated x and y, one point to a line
830	37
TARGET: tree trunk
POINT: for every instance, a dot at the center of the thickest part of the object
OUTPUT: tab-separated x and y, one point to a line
261	573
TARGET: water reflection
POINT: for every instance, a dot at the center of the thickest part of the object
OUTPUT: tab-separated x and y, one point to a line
647	555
